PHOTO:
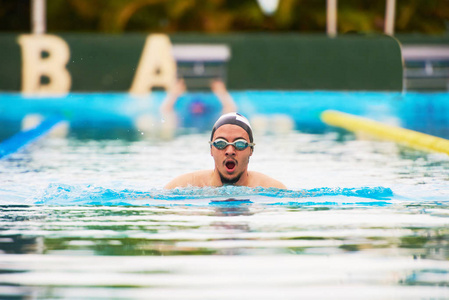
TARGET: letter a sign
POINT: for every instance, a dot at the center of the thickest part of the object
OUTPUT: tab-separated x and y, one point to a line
157	67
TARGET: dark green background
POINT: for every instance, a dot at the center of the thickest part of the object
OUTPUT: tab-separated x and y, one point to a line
258	61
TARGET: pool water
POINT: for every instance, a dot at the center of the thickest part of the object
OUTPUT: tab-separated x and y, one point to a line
88	219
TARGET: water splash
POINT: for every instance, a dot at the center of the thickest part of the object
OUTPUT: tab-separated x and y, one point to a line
64	194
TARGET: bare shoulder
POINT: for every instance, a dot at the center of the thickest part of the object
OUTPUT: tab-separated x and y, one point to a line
198	178
265	181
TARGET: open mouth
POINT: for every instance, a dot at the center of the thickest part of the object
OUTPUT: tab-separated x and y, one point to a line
230	166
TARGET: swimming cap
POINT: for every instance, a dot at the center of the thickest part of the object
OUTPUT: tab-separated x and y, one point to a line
233	119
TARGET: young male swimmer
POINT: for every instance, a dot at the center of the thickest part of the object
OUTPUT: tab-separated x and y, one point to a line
231	147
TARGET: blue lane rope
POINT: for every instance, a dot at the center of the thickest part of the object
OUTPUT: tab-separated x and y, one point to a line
23	138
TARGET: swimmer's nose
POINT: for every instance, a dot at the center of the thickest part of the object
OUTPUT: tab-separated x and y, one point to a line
230	150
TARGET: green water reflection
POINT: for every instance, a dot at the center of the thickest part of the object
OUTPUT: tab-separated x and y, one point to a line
131	231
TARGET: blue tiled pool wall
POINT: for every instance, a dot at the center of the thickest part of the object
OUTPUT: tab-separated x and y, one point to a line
114	114
428	113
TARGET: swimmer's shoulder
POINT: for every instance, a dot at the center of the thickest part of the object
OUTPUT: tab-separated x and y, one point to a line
265	181
197	178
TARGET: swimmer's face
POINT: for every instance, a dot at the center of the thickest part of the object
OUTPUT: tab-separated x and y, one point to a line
231	163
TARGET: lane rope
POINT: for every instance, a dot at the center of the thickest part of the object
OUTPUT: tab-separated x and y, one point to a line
414	139
26	137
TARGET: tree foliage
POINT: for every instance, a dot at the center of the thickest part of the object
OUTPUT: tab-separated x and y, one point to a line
221	16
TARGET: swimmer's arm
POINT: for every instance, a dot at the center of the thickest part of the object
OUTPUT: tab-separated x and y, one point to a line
179	182
278	185
262	180
273	183
198	179
175	91
219	89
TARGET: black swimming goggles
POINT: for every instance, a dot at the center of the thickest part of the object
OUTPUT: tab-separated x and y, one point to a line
239	144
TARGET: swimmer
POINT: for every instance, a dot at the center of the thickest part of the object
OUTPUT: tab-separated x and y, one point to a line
231	147
201	117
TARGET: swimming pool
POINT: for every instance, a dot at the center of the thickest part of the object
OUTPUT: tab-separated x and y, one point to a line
85	217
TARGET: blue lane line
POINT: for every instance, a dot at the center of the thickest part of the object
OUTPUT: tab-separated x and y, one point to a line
23	138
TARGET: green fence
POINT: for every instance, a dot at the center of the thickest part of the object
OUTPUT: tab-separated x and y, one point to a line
258	61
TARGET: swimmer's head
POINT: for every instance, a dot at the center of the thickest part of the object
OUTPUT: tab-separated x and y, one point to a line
233	119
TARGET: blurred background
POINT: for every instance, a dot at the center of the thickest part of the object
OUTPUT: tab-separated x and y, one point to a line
421	27
260	45
425	17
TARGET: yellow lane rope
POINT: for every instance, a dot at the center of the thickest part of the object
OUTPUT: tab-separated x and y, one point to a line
407	137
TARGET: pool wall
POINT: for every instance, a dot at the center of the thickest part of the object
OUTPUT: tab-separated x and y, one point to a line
114	115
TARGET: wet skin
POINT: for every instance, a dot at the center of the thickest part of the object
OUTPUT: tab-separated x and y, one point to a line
231	165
